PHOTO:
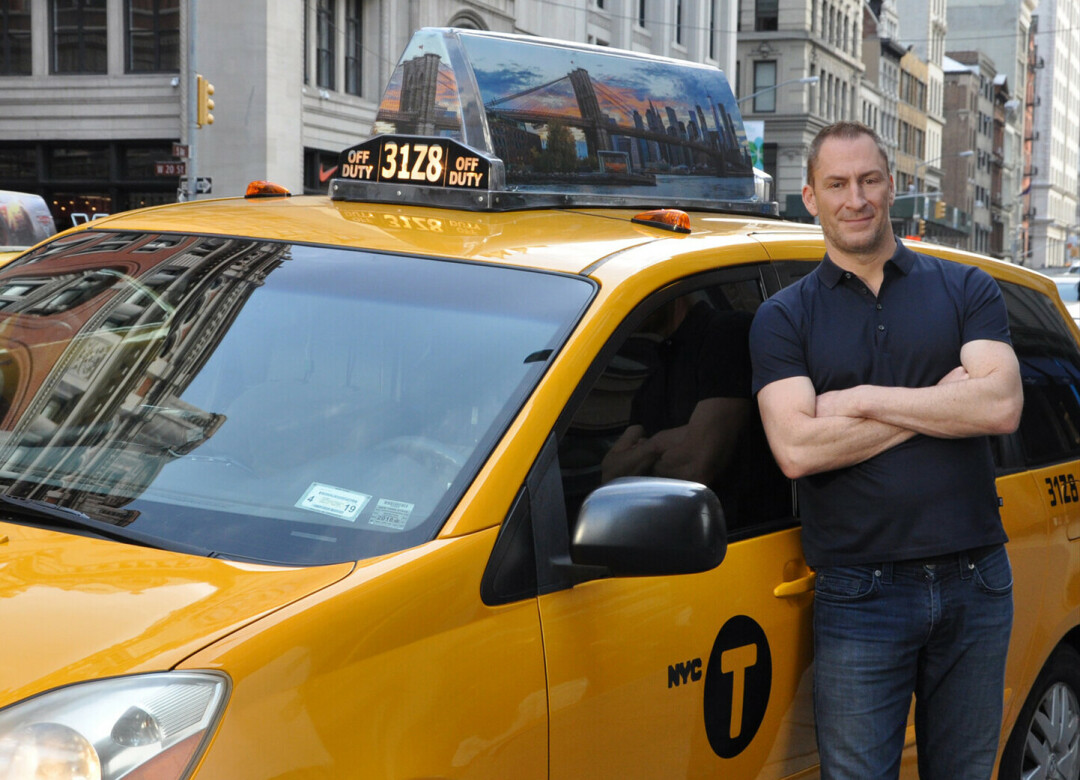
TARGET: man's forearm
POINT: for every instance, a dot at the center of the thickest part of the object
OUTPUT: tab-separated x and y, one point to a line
982	396
972	407
835	442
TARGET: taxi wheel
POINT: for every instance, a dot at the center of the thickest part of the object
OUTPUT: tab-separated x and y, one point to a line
1045	742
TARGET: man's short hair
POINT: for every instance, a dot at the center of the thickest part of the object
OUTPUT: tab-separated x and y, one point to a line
847	130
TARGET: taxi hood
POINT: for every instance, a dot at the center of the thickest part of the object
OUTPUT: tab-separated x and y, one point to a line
76	609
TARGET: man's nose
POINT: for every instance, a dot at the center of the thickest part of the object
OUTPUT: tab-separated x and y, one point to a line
856	195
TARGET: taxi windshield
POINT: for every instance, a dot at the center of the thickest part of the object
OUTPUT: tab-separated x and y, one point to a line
264	401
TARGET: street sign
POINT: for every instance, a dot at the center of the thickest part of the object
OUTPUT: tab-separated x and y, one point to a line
180	150
171	168
203	184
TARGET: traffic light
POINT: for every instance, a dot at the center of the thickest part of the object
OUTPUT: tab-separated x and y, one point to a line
939	209
203	102
922	227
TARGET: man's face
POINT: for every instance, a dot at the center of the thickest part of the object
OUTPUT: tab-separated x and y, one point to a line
850	195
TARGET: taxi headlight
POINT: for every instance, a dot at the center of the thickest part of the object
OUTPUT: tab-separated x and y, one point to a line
136	728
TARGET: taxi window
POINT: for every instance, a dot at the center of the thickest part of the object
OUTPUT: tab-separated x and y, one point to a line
673	399
261	400
1050	369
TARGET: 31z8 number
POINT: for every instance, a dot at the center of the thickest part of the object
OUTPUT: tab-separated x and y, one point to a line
1062	489
412	162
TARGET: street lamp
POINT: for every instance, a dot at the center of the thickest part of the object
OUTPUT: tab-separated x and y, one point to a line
803	80
915	187
918	166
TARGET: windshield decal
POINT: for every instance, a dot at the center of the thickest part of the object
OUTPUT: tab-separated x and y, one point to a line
391	514
336	502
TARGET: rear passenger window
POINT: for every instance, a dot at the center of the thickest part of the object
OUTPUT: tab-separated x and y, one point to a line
672	398
1050	368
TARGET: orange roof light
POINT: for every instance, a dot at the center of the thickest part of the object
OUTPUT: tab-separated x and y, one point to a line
266	189
668	219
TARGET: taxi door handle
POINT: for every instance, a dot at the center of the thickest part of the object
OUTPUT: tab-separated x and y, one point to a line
787	590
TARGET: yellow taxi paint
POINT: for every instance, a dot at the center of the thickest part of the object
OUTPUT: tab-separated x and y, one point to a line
398	670
533	239
77	608
610	644
1026	524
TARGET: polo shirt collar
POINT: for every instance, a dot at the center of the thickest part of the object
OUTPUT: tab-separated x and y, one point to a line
831	274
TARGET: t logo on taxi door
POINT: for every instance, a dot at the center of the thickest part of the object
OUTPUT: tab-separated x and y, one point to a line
738	680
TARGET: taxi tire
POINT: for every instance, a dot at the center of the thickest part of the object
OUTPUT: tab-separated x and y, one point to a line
1048	721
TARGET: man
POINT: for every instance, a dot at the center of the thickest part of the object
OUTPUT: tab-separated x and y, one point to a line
879	376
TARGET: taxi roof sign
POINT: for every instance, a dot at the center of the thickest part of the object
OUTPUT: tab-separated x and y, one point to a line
498	122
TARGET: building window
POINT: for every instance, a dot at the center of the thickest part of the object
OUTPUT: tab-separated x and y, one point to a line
764	82
79	162
768	160
153	35
641	13
354	49
766	14
678	21
15	38
324	56
79	41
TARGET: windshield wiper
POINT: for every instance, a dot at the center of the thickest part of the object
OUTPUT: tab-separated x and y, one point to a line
50	515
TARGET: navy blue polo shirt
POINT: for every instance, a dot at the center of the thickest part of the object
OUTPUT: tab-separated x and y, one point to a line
927	496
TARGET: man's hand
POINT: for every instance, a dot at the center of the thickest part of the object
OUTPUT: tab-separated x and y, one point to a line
632	455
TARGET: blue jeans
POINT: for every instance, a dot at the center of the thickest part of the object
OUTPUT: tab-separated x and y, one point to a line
939	631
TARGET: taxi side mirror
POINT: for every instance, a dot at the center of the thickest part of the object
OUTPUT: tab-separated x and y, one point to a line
650	526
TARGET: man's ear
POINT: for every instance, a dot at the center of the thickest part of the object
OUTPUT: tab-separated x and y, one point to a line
892	191
808	200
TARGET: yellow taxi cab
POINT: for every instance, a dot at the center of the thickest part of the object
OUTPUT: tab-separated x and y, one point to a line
327	487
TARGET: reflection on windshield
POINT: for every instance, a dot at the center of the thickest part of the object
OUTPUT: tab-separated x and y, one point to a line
267	401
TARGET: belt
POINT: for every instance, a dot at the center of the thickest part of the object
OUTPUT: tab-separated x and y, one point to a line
975	554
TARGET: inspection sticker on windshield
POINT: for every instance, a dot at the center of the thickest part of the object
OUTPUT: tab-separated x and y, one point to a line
391	514
336	502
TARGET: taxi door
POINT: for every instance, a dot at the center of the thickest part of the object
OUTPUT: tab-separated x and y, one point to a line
700	675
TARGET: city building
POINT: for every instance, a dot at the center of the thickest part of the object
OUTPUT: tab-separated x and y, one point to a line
968	143
881	60
102	100
923	26
100	96
1055	156
1008	48
914	174
806	67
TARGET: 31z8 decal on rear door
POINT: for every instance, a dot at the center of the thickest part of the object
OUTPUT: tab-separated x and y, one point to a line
1062	489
